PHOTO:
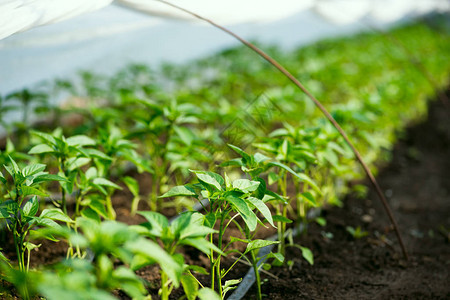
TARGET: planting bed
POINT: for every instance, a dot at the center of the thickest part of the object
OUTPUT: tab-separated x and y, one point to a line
418	187
371	267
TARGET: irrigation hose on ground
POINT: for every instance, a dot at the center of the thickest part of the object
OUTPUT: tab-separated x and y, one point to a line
249	279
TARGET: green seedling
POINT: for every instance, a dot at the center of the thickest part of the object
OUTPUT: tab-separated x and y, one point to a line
117	149
72	154
28	100
21	206
227	200
94	195
257	164
110	241
186	230
356	233
133	187
4	110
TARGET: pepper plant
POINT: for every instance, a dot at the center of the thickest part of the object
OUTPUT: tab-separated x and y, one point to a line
228	199
72	153
20	211
258	164
186	230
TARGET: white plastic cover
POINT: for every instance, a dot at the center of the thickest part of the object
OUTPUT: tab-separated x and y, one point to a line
224	12
20	15
342	11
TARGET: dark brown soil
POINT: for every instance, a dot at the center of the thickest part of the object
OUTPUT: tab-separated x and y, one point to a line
417	185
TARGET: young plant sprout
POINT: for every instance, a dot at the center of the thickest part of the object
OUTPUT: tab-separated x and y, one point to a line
21	206
228	199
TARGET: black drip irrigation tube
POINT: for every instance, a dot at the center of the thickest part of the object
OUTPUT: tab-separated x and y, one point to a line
249	279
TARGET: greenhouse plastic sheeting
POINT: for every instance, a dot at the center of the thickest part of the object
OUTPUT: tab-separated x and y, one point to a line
111	37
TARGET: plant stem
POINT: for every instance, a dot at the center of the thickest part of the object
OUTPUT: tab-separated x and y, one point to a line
110	208
321	108
211	262
257	277
219	257
164	286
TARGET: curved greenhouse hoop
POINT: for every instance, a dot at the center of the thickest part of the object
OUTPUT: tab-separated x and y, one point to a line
330	118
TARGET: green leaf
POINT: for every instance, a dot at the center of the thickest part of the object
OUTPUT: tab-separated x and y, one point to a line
80	140
105	182
208	294
132	185
259	158
195	231
55	214
130	283
45	136
4	214
237	162
321	221
257	244
2	178
210	178
190	286
247	158
91	214
31	246
276	197
31	207
302	177
28	190
180	190
202	245
262	208
48	177
33	169
98	207
278	218
308	255
210	219
3	258
97	154
14	165
246	185
228	183
185	134
286	148
197	269
155	252
277	256
46	222
156	221
77	162
246	213
230	285
309	198
261	191
41	148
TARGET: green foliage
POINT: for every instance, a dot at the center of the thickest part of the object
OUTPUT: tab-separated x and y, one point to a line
186	230
168	122
20	207
227	200
357	232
